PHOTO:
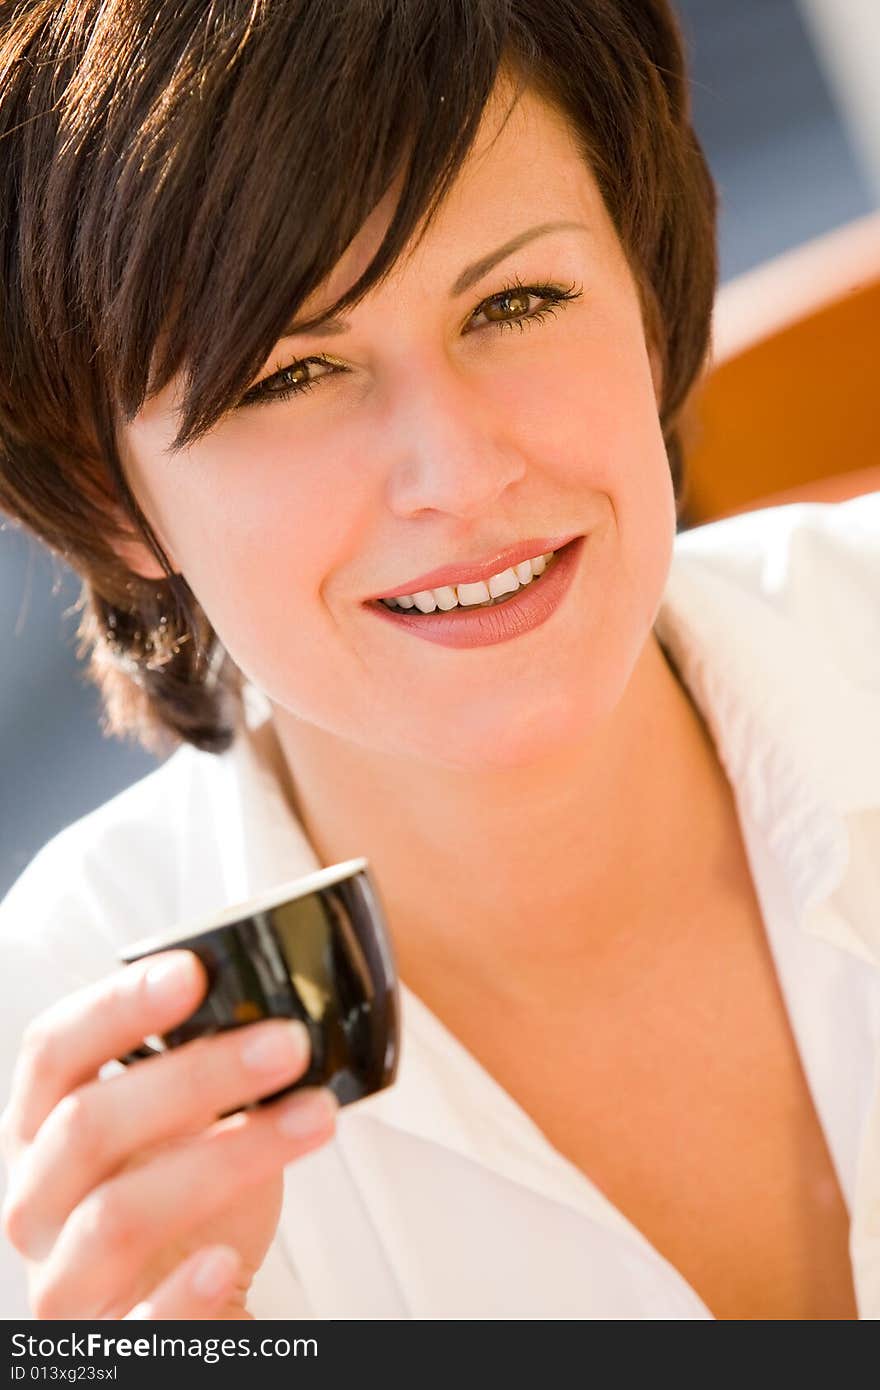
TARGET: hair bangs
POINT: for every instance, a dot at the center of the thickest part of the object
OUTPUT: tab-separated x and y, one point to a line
202	234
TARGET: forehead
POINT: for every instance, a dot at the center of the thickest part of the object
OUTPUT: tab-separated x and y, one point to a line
526	163
526	166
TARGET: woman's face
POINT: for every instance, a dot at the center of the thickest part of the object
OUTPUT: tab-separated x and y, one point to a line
440	438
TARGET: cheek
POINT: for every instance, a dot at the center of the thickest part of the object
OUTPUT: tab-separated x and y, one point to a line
585	404
601	426
259	553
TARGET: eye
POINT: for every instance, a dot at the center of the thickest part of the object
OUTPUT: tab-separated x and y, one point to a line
295	378
288	381
518	295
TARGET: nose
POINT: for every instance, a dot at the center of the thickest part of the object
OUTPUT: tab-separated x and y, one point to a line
451	451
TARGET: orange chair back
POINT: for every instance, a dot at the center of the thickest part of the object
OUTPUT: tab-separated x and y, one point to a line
789	409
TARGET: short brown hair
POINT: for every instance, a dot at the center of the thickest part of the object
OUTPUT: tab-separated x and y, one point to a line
175	180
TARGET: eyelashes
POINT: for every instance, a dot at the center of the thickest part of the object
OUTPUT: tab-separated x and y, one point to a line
283	384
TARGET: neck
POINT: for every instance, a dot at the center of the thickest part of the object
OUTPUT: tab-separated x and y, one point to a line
508	879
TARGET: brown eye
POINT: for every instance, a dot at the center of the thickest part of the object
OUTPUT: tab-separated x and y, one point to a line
510	303
510	307
288	381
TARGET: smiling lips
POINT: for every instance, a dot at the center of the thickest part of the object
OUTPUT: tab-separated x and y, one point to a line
487	624
500	588
479	572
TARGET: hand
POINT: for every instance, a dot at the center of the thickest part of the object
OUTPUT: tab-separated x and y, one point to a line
127	1196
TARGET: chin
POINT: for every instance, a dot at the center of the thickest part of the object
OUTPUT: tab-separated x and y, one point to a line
510	736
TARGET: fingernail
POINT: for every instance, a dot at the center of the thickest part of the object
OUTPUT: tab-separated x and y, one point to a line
169	977
215	1271
309	1112
278	1047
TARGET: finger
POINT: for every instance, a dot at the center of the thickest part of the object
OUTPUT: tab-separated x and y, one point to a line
112	1235
199	1288
95	1129
67	1044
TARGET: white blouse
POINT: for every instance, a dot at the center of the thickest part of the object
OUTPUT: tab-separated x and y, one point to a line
439	1197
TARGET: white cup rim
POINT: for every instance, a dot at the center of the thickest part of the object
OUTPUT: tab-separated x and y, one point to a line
271	897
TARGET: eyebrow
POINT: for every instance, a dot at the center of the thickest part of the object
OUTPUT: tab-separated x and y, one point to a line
333	325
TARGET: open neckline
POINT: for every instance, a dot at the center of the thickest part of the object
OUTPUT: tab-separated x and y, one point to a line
578	1186
543	1156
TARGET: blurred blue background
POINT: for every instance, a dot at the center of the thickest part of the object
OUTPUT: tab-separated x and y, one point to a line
783	134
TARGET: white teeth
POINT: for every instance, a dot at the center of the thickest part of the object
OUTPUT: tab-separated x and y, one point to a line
451	596
506	582
445	597
469	594
425	601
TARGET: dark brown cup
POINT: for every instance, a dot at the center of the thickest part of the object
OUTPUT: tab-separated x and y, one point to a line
317	949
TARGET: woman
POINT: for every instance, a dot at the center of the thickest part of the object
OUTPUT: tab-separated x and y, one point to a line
333	213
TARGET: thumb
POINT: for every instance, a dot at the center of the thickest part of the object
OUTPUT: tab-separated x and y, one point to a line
199	1288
